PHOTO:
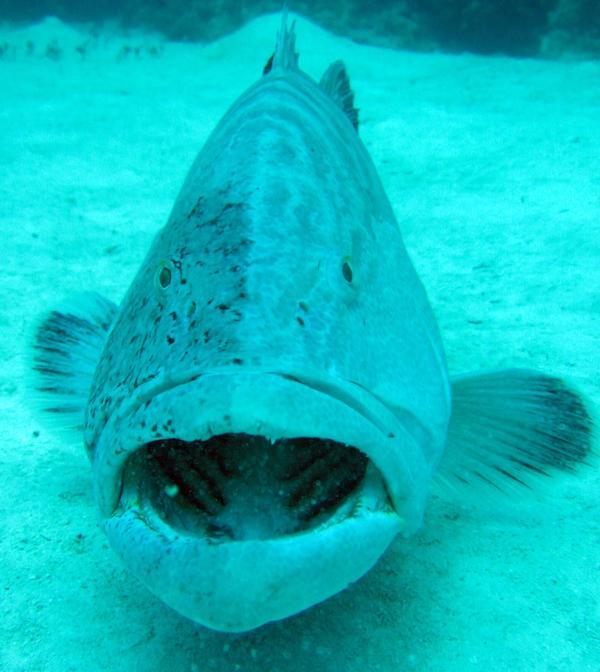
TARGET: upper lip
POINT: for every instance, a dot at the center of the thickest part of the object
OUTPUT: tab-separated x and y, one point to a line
347	392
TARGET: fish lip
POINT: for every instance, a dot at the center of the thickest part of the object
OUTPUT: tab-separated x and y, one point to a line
392	445
238	586
344	391
327	387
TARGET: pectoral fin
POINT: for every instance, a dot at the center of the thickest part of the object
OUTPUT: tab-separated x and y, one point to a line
66	347
509	427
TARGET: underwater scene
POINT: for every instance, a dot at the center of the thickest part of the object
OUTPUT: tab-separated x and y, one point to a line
299	361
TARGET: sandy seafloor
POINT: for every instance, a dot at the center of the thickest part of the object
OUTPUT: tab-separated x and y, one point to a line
493	167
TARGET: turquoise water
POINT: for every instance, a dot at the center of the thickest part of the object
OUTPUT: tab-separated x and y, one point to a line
491	165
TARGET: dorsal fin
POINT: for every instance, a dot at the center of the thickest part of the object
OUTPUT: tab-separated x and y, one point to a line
285	56
336	83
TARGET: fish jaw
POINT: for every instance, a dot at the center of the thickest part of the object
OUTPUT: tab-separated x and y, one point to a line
237	586
236	581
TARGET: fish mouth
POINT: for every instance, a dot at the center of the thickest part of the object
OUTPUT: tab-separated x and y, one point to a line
255	473
258	494
236	487
244	467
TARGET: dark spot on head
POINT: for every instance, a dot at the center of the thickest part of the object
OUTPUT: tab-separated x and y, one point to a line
303	306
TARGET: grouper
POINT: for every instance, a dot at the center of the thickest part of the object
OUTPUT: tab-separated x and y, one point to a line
269	406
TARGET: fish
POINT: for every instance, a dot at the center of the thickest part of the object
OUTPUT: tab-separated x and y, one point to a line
269	406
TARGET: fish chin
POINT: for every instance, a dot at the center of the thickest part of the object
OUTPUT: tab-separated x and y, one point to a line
237	531
234	522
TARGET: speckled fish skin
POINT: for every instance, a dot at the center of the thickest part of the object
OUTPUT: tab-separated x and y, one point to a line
278	300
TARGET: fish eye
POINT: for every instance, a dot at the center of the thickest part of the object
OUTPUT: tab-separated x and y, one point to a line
163	277
347	272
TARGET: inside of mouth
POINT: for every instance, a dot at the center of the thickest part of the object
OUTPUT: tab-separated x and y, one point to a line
241	486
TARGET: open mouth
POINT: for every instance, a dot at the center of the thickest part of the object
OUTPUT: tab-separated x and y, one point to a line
236	486
242	499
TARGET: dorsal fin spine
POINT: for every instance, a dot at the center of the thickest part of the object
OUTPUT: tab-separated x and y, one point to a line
285	56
